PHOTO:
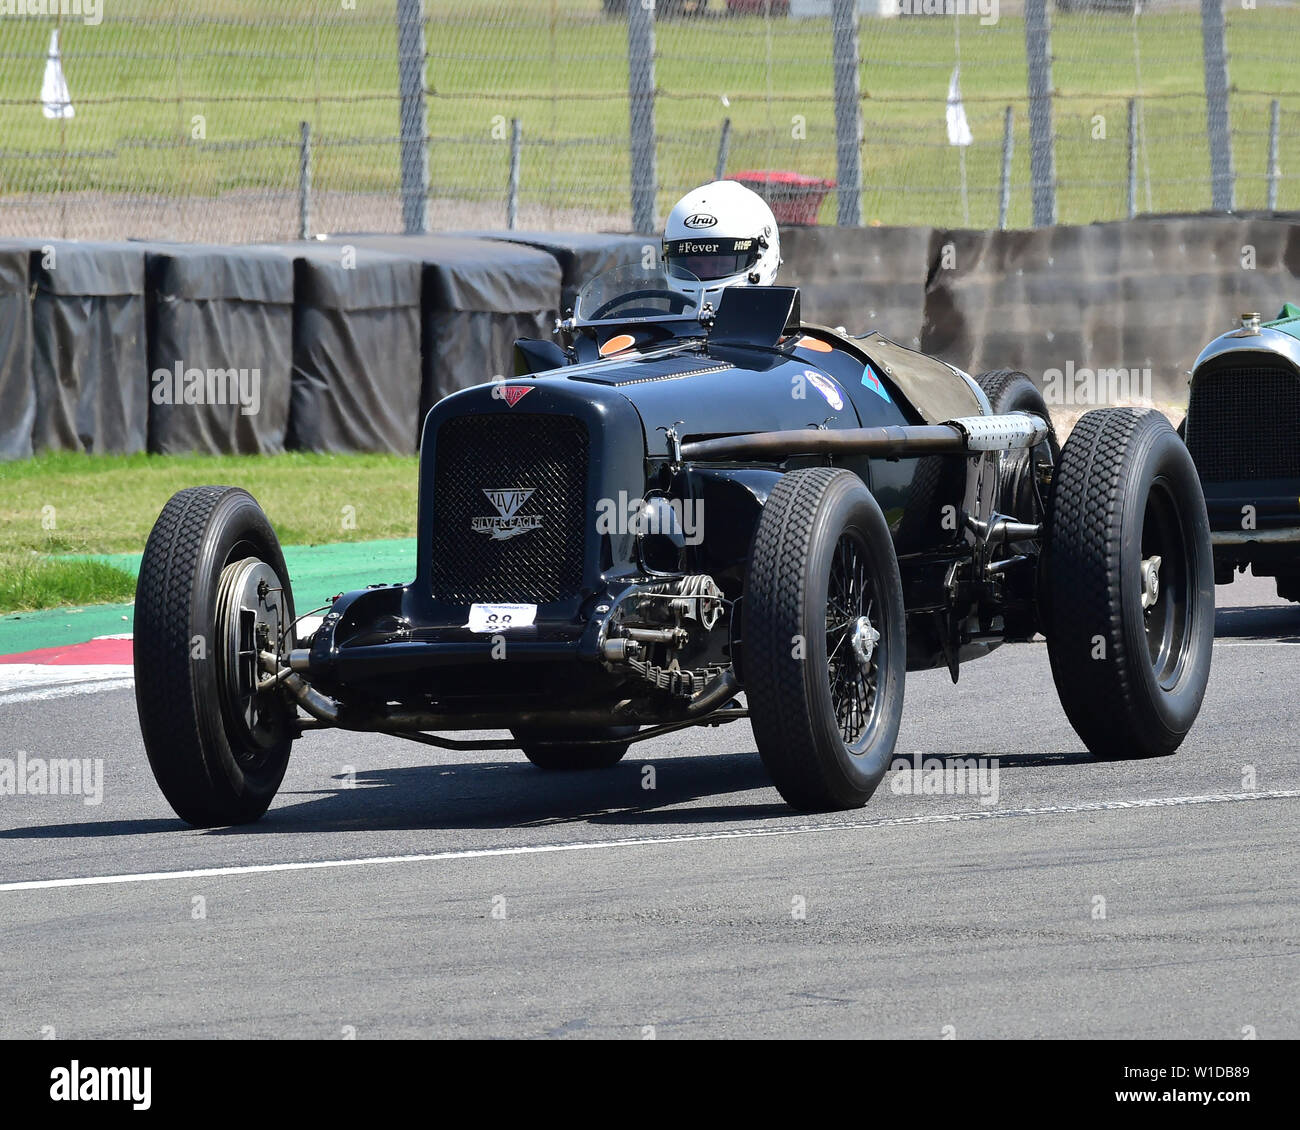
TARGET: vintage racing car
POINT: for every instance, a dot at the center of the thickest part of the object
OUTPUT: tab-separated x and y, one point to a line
690	510
1243	408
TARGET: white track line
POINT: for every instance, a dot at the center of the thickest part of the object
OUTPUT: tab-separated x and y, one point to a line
651	841
15	676
64	690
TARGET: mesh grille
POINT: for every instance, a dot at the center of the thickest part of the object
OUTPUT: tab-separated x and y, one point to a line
517	454
1241	424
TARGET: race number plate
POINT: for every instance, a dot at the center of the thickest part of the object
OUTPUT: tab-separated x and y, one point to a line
500	617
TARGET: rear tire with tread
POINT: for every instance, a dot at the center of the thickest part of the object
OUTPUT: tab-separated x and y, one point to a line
1130	677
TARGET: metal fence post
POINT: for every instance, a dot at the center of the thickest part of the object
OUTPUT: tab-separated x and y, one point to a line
1042	143
415	117
1004	189
1274	171
1132	158
641	111
1216	104
304	182
512	188
724	150
848	111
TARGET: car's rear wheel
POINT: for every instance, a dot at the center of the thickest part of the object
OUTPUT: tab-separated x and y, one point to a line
574	749
213	591
1022	479
1130	584
824	640
1011	391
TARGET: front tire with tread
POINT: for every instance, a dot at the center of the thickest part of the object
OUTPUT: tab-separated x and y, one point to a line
822	560
210	768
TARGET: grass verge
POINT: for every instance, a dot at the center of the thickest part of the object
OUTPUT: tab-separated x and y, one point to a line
63	503
31	582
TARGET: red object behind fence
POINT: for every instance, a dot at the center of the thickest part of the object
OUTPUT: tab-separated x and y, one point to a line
793	197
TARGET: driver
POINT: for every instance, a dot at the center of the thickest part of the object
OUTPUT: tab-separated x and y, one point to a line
722	234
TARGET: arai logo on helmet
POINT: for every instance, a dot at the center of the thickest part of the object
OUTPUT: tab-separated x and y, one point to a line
700	220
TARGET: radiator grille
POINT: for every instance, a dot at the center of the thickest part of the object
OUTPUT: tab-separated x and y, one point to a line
536	468
1242	424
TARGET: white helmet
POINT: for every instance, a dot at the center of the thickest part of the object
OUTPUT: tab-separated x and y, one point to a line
724	235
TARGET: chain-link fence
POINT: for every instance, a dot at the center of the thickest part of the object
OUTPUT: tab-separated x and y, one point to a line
260	119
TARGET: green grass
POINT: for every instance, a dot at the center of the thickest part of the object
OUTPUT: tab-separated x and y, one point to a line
32	582
63	504
81	504
254	69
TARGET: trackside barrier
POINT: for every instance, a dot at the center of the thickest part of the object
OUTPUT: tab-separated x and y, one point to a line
17	389
344	345
220	326
1090	312
356	349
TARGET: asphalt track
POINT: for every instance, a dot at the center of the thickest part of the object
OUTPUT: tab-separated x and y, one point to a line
396	890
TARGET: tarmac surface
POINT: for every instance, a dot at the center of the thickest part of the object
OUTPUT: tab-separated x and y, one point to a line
399	890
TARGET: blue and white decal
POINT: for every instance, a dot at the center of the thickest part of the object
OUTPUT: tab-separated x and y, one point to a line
826	387
872	381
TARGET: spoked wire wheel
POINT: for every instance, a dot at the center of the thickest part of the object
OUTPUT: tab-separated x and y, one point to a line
823	643
853	633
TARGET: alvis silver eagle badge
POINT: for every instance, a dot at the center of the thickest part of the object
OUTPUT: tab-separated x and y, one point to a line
509	522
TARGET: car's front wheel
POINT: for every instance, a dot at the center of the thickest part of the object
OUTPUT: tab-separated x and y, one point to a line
1130	584
823	643
213	592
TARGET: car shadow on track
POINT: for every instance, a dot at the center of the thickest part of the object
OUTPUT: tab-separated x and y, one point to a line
514	795
487	795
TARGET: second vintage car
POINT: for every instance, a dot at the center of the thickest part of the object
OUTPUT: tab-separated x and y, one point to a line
1243	410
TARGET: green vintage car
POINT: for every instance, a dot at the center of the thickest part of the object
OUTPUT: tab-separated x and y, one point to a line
1243	412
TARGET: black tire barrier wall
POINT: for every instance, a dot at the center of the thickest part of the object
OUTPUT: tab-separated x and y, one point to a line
582	255
356	350
17	389
352	358
223	315
479	295
89	349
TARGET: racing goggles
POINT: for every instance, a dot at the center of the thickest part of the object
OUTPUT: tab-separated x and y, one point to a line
709	258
